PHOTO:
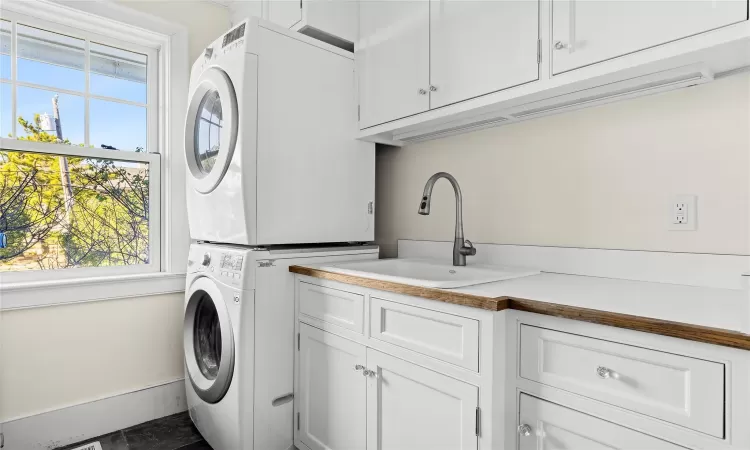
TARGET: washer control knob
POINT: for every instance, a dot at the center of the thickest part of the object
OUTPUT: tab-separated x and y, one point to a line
206	259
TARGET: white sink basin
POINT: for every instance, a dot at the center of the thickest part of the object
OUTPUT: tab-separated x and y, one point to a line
428	273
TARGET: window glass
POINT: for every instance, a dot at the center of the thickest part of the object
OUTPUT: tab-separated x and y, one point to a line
63	212
207	139
5	49
36	116
50	59
6	116
117	126
117	73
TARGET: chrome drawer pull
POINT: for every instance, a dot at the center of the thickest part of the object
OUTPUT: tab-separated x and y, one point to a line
604	372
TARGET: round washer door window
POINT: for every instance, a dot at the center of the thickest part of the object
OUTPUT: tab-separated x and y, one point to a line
208	341
210	129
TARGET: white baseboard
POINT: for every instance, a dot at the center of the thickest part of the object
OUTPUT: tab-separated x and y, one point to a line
76	423
692	269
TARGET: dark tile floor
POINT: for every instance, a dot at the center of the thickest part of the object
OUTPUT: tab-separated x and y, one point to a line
168	433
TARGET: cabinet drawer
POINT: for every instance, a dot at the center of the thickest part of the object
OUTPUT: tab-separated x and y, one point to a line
678	389
546	424
449	338
333	306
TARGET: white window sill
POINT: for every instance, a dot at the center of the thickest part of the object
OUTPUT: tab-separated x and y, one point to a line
48	293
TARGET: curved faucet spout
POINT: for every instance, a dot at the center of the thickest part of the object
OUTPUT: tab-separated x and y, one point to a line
460	247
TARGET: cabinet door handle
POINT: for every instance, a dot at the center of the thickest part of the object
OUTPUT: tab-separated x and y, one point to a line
524	430
359	367
370	373
604	372
559	45
433	88
422	92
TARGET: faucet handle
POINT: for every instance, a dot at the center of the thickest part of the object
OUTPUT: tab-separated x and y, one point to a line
468	248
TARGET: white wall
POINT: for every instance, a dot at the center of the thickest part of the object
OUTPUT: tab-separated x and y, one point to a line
65	355
597	178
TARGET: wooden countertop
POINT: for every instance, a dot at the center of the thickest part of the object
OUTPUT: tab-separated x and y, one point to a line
693	332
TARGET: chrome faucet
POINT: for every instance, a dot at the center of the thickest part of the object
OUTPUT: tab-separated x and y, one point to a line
461	247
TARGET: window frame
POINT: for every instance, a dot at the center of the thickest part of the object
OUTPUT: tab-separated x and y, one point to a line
165	44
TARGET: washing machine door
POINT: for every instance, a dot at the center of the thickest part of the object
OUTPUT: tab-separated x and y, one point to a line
208	341
210	129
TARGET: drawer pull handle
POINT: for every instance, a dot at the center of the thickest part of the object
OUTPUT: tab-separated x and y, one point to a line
524	430
370	373
604	373
359	367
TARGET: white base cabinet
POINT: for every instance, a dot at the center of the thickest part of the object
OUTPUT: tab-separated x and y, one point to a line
548	426
382	371
331	392
411	408
351	397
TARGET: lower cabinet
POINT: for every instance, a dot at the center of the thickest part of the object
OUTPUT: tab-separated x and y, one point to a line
553	427
352	397
412	408
333	394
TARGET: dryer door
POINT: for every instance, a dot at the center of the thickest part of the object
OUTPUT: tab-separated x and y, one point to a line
210	129
208	341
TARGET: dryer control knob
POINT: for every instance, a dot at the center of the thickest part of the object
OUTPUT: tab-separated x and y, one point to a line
206	259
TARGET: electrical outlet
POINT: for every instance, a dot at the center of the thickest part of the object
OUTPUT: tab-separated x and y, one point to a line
683	213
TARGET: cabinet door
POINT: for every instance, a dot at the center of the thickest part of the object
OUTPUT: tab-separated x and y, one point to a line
553	427
284	13
392	58
586	32
332	393
413	408
479	46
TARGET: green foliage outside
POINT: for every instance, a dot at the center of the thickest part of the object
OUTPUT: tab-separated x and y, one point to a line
103	223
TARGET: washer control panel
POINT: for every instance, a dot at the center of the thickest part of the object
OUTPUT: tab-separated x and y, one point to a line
231	265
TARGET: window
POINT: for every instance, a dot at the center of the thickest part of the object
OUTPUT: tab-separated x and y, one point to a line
80	167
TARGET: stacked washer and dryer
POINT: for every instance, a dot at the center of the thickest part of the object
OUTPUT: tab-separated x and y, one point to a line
275	178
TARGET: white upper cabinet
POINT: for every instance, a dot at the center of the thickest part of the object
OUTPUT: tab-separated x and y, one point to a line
479	46
587	32
410	407
392	56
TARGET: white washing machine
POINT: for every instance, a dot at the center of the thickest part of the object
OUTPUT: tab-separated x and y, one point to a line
270	141
239	340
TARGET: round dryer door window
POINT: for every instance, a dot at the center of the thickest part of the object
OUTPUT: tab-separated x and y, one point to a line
211	129
208	341
207	140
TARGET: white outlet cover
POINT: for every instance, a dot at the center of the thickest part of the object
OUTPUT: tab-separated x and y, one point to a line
692	213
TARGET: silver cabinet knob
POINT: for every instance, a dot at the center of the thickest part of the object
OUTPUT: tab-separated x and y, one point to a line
370	373
559	45
206	259
603	372
359	367
422	92
524	430
433	88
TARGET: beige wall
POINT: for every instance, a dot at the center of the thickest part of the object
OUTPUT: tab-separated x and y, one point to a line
64	355
598	178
